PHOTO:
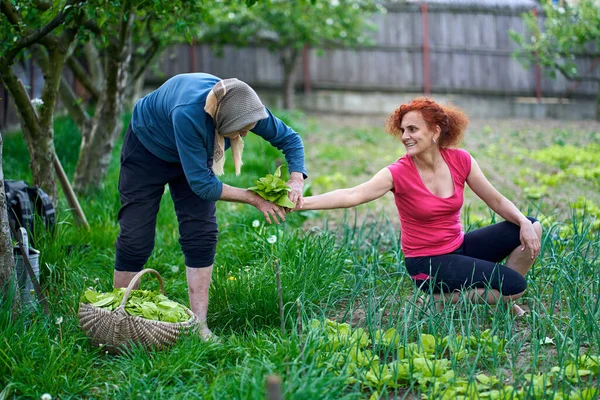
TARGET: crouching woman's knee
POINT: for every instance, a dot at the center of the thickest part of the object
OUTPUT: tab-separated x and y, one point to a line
536	226
515	289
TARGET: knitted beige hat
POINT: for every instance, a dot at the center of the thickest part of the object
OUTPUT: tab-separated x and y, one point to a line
237	106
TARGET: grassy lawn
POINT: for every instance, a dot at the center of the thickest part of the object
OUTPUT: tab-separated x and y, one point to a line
353	328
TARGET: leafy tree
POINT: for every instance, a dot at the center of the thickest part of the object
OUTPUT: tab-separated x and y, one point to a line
44	27
569	32
122	39
286	27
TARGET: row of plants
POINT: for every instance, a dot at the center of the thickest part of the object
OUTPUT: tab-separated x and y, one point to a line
386	362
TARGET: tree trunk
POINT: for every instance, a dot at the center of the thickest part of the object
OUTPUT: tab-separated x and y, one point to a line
94	62
8	281
598	103
290	60
38	132
134	91
98	142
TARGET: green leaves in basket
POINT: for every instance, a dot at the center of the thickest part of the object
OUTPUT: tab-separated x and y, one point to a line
141	303
273	189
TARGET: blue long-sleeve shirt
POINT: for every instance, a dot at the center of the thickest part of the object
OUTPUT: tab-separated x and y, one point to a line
171	123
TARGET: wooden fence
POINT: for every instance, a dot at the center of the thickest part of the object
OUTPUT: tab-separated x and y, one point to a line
430	48
418	47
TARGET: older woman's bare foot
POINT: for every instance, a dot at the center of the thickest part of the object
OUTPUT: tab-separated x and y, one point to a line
205	333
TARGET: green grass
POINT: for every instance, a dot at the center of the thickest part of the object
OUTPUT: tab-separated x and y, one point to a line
348	268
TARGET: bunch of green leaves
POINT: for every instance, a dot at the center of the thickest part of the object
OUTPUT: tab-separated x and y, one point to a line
147	304
273	188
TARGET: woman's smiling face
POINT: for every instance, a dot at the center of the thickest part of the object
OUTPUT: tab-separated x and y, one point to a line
416	135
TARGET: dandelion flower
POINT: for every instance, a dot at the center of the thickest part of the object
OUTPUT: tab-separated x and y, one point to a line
46	396
255	223
272	239
59	320
232	278
174	268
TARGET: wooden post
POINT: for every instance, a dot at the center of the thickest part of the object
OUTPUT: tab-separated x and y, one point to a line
426	75
273	383
192	56
280	296
80	218
538	70
306	69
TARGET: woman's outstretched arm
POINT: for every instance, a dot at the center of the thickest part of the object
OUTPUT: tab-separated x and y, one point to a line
503	207
373	189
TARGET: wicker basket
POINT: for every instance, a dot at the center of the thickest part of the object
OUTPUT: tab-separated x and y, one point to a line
116	330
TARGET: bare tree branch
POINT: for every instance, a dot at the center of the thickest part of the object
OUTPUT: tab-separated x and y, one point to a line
8	9
66	94
70	101
43	5
94	63
92	26
20	97
578	78
82	76
146	59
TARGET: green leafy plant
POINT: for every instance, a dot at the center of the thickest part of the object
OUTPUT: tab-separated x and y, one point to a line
272	188
568	35
140	303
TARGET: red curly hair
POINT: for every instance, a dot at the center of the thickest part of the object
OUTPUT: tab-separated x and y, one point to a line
451	120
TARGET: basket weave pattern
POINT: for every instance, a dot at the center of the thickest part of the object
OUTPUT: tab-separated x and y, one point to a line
116	330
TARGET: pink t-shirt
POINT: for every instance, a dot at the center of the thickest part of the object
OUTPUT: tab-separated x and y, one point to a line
430	224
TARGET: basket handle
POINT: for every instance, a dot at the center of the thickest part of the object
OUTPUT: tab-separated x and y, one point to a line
136	280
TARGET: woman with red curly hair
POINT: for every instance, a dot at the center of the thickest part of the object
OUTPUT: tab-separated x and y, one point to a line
428	184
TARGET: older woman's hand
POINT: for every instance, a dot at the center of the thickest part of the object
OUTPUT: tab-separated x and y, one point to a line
271	211
296	182
530	239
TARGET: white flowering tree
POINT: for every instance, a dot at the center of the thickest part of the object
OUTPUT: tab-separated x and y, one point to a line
286	27
569	31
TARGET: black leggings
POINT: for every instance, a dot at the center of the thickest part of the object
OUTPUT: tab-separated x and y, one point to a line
142	183
475	264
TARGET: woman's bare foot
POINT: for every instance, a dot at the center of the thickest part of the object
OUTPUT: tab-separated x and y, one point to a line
205	333
424	302
517	311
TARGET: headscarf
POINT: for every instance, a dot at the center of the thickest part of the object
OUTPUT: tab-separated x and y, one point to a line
237	106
